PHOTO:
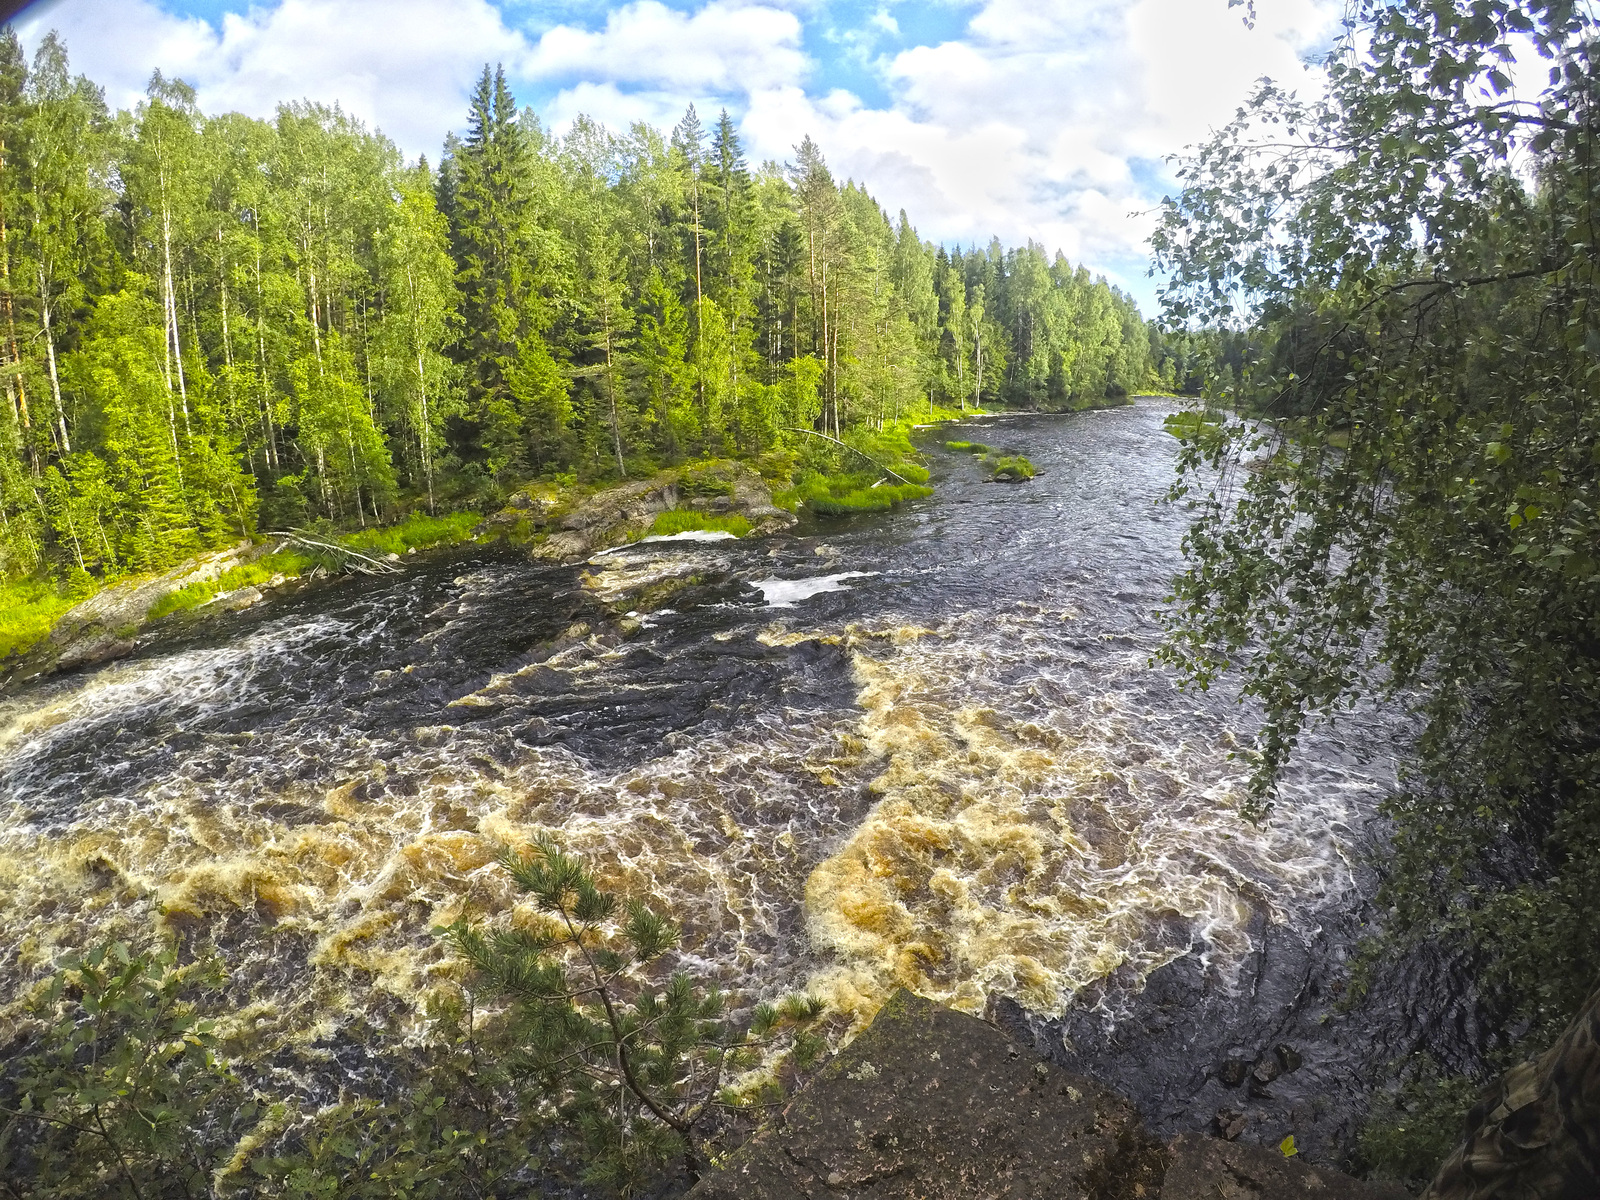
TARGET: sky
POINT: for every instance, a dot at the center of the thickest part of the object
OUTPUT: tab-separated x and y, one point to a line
1048	120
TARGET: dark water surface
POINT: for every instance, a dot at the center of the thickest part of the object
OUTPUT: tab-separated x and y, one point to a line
922	748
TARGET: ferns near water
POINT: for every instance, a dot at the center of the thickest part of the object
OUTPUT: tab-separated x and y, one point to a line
637	1066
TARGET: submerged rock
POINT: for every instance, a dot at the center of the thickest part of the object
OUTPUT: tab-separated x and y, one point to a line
934	1104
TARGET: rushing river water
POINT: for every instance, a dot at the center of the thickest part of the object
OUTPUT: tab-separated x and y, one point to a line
923	748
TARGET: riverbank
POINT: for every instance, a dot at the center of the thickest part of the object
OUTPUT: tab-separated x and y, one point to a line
48	625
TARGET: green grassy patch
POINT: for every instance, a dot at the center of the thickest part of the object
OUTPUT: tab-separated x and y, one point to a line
253	574
29	609
418	531
1012	468
970	447
689	520
840	495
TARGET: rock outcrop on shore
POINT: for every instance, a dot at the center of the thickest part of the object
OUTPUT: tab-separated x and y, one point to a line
105	625
627	512
931	1104
1535	1133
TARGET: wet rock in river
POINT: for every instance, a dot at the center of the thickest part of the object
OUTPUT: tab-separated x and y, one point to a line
1288	1056
1233	1071
1266	1069
628	511
1229	1124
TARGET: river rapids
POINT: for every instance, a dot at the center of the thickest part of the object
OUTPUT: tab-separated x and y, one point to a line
923	748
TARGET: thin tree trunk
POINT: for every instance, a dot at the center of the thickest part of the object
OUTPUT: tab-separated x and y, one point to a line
422	388
611	391
19	398
50	352
271	451
170	298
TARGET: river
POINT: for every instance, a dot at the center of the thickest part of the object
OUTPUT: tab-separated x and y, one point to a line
922	748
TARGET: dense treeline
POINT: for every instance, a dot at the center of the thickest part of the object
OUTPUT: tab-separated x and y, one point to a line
208	322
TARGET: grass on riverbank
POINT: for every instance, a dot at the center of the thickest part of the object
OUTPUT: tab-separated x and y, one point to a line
419	531
690	520
30	607
29	610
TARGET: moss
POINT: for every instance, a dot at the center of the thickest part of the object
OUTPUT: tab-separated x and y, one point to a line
970	447
686	520
1010	468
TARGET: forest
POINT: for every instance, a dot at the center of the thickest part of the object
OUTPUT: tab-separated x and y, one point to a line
211	324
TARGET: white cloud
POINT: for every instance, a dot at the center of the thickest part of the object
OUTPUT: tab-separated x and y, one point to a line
1045	119
725	48
403	65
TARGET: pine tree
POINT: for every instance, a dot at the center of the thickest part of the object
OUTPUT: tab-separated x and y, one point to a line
636	1066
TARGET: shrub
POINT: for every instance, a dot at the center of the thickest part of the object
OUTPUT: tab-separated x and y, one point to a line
1409	1132
123	1092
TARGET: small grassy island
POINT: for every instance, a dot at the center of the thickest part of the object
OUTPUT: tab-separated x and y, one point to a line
1003	468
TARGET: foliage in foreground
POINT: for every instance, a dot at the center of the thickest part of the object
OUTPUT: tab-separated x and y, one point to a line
130	1089
641	1068
131	1083
1418	517
125	1093
1409	1132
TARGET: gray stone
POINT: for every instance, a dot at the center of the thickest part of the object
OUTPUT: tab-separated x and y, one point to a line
934	1104
1203	1168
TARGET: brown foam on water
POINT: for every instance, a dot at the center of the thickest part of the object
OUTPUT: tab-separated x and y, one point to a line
1029	842
323	898
1034	823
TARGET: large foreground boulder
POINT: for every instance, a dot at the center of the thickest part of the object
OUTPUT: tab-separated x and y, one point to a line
1535	1135
930	1104
933	1104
